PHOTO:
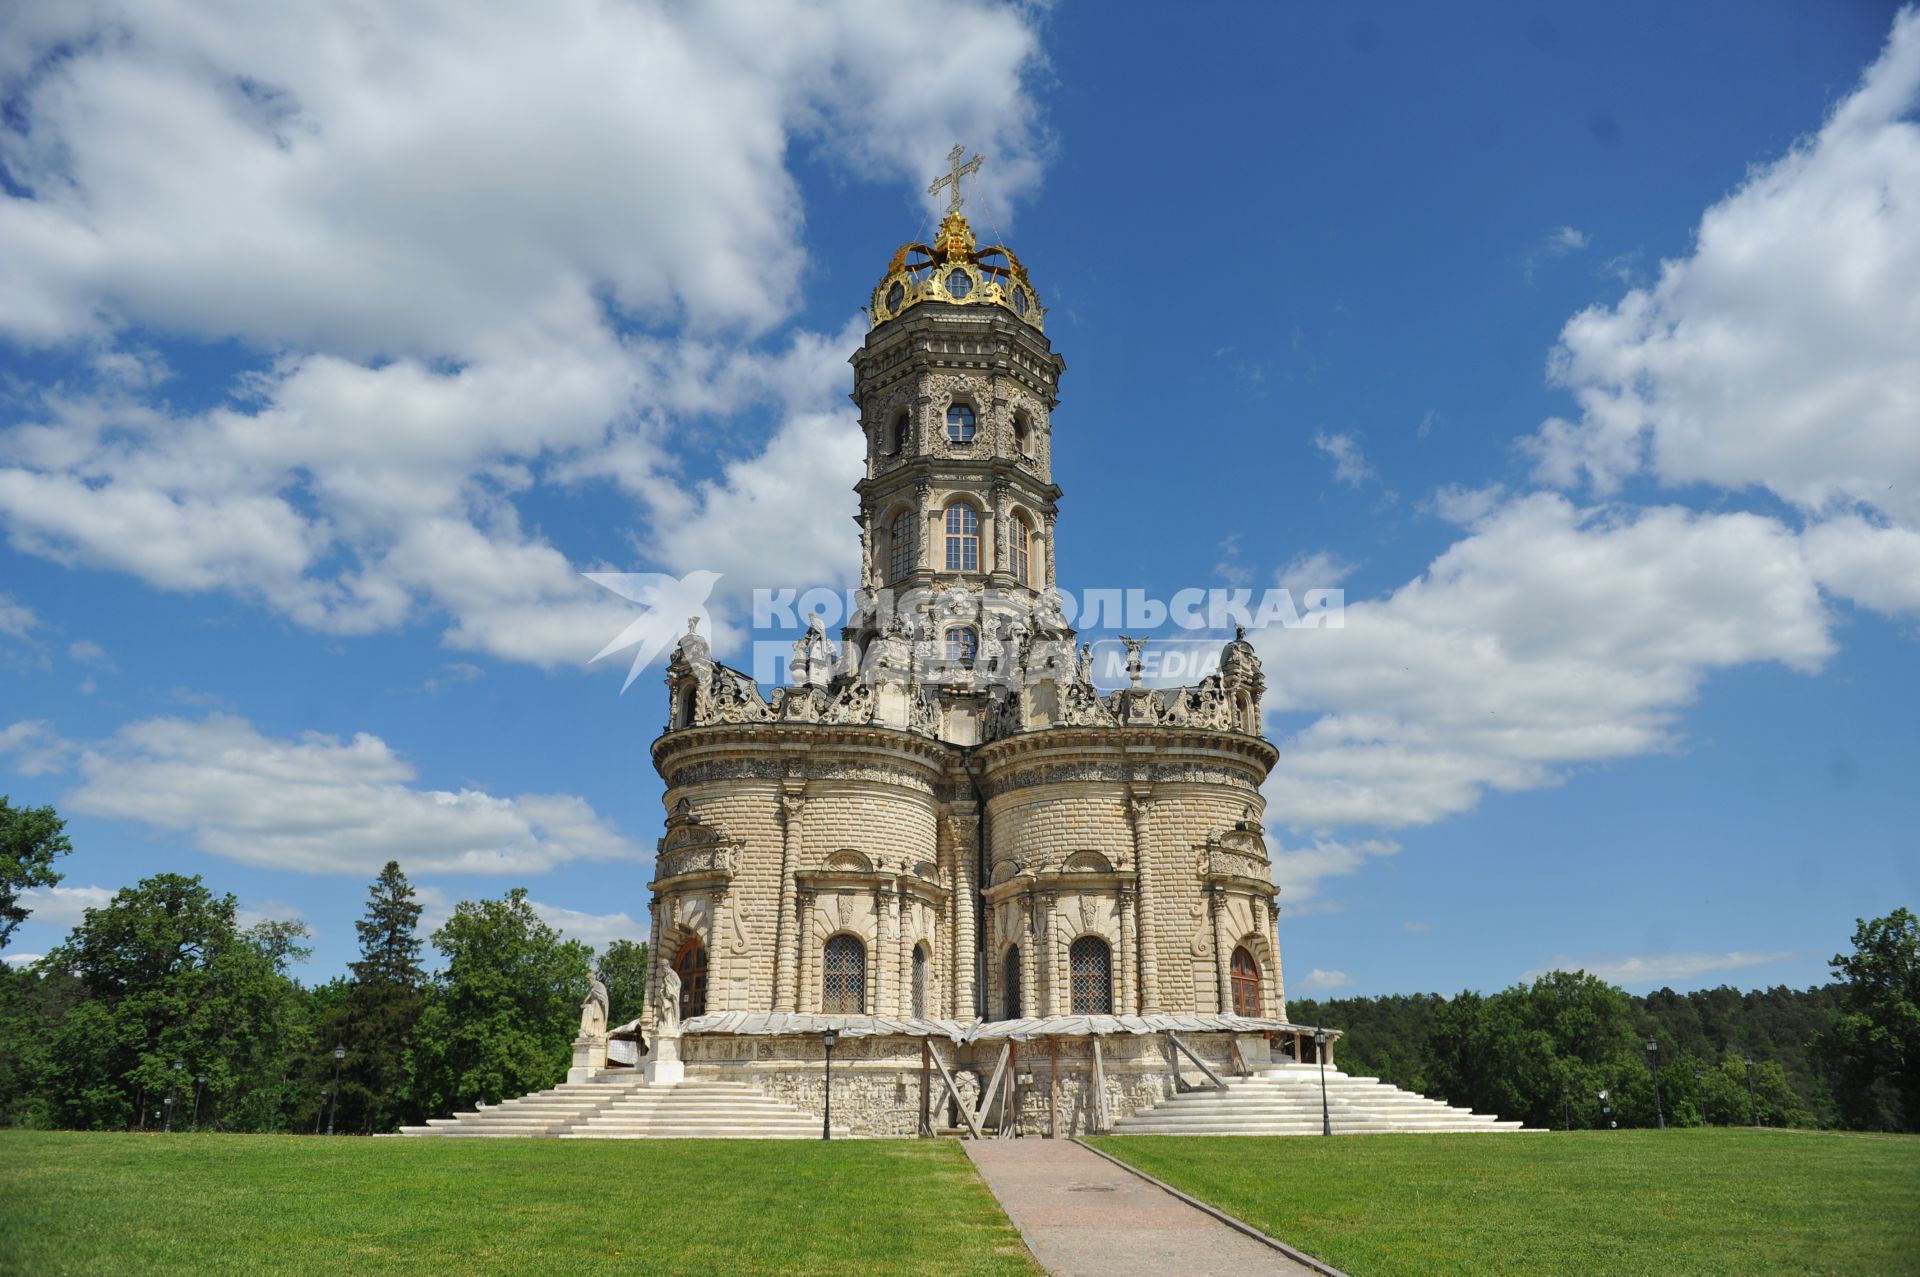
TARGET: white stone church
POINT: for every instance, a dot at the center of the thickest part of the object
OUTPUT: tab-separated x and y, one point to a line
1001	900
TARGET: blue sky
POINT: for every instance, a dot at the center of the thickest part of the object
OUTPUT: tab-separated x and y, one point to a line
1576	346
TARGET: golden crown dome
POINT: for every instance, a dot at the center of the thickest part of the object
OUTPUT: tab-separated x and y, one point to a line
954	269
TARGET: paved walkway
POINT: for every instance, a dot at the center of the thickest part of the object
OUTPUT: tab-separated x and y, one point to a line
1085	1217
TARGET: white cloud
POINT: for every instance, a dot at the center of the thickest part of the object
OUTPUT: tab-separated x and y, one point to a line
1875	565
17	620
1549	637
1349	464
88	652
444	221
1559	242
37	748
1663	968
1318	981
317	804
63	907
1319	570
1784	351
1299	870
21	959
597	929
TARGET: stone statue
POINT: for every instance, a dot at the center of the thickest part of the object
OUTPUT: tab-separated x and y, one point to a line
669	1004
593	1012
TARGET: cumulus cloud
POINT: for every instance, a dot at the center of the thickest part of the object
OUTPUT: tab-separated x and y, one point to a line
63	907
318	804
37	749
17	620
479	266
596	929
1299	870
1784	351
1559	242
1318	981
1663	968
1551	636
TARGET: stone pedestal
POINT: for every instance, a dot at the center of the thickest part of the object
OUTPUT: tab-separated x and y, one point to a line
1255	1051
589	1057
663	1066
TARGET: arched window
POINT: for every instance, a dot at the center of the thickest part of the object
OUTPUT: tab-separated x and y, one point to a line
900	548
843	989
960	423
963	538
919	982
1010	992
690	964
683	712
1245	974
902	427
1091	965
1022	435
963	643
1022	550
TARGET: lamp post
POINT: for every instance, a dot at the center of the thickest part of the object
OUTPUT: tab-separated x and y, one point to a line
1753	1108
826	1122
1653	1063
199	1084
333	1101
173	1091
1606	1110
1320	1054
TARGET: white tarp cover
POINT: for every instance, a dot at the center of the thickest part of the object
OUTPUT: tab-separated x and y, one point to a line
774	1023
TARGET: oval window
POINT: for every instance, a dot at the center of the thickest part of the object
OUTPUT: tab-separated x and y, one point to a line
958	284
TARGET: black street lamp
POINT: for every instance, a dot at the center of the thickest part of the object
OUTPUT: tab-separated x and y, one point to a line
1653	1063
1606	1110
1320	1054
199	1084
1753	1109
333	1101
173	1090
826	1122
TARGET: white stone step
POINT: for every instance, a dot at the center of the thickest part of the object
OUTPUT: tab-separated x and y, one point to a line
1288	1099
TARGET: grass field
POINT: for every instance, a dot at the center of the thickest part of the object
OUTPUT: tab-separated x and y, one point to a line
1623	1202
72	1203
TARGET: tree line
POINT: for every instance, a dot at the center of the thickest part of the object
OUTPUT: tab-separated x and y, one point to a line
162	1008
1569	1049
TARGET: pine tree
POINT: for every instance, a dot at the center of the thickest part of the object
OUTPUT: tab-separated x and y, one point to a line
383	1002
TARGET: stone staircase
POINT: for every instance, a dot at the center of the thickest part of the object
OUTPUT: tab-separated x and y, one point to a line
621	1106
1285	1100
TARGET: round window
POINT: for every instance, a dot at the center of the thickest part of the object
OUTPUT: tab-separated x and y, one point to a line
895	296
959	284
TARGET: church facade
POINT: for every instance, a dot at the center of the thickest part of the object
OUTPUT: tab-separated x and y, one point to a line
940	839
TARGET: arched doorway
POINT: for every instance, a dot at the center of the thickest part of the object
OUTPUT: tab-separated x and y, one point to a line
1090	962
690	964
1245	974
1010	984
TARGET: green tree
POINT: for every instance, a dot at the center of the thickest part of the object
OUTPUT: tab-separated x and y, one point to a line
1874	1045
30	839
623	965
380	1007
168	975
501	1015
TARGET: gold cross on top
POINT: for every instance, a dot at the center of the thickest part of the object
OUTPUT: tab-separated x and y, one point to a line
951	178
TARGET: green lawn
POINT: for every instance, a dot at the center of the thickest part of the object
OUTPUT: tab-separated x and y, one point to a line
1618	1202
72	1203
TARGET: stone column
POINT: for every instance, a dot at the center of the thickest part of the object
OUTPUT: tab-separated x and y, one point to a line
1033	955
1279	977
1223	989
963	831
1125	994
1139	808
786	933
1047	556
1046	950
656	963
884	997
1000	520
807	962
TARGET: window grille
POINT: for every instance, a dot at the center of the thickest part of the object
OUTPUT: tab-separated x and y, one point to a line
1010	993
900	548
690	964
963	538
1091	964
844	984
1245	975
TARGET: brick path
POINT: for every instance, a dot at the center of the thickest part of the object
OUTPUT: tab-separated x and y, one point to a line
1085	1217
